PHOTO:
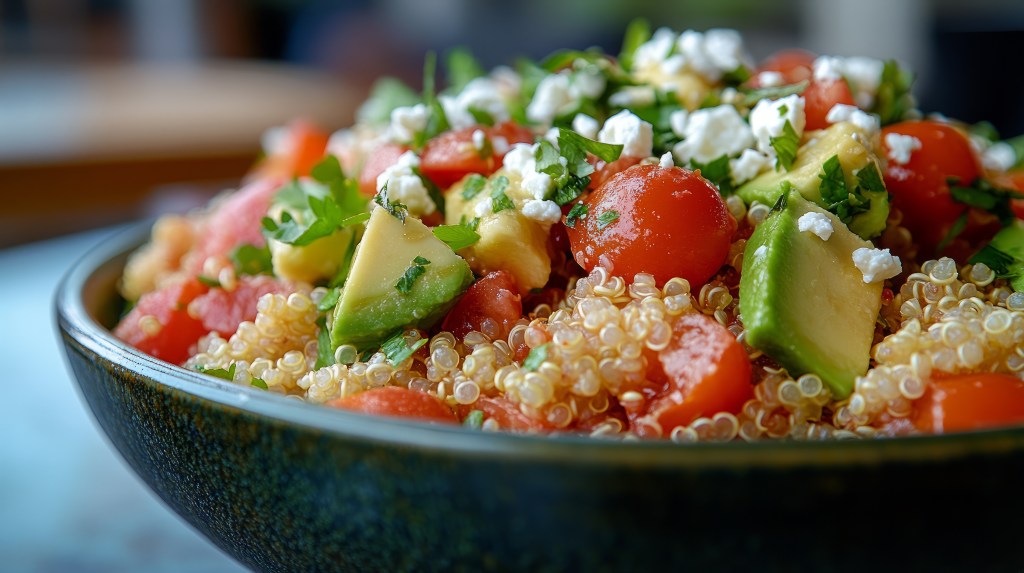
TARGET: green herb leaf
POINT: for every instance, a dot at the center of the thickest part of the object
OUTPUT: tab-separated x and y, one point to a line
474	184
954	231
221	373
432	191
606	152
397	350
785	147
995	259
330	299
785	188
833	181
983	195
637	33
386	95
893	99
499	200
456	236
578	212
751	97
394	208
314	213
716	171
324	349
869	179
259	383
461	67
327	170
737	76
208	281
481	116
252	260
536	357
607	218
415	271
474	420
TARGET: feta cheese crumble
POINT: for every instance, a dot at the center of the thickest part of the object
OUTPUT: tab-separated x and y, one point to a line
770	79
713	132
521	161
901	147
876	264
677	121
815	223
748	165
999	157
869	123
635	135
585	125
407	121
405	186
666	161
480	94
710	54
769	117
862	73
479	139
545	212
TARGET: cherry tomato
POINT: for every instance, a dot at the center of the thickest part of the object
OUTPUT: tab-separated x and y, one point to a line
919	188
452	155
398	402
669	222
820	96
605	171
1013	180
491	305
970	402
383	157
705	370
303	147
794	65
176	331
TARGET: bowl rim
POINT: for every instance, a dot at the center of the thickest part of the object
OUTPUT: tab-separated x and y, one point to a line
75	322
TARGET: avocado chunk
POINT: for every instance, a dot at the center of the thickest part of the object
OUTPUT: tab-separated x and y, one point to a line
381	295
802	300
844	141
1004	254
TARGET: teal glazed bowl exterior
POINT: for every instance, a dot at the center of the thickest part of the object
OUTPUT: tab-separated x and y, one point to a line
282	485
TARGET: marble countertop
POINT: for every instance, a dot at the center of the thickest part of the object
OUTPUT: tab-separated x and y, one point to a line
68	501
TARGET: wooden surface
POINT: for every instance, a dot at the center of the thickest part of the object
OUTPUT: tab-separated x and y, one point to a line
85	147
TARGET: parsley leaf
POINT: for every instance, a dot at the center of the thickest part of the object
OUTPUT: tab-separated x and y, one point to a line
330	300
893	99
474	420
607	218
836	194
499	200
869	179
637	33
317	214
568	166
751	97
208	281
394	208
252	260
461	67
324	350
437	121
577	213
716	171
536	357
456	236
327	170
474	184
415	271
432	191
785	146
833	182
983	195
221	373
1005	255
606	152
386	95
258	382
397	350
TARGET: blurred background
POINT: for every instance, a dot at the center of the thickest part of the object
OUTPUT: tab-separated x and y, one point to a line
116	110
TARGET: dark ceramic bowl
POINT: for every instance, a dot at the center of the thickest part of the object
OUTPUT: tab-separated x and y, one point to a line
286	486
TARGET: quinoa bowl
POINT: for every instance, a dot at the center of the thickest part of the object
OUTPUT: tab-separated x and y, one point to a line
282	485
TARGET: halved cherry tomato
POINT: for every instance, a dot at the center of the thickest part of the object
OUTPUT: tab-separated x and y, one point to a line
705	371
452	155
794	65
970	402
820	96
491	305
177	331
383	157
304	147
669	222
399	402
919	188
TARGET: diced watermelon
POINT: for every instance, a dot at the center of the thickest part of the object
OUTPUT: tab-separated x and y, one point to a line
222	311
176	330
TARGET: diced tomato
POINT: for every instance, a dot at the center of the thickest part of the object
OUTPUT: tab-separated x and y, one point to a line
970	402
303	147
234	222
506	415
820	96
1014	180
222	311
920	188
398	402
669	222
705	371
491	305
452	155
383	157
794	65
177	331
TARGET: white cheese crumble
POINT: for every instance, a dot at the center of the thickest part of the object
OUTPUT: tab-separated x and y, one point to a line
710	54
876	264
666	160
546	212
713	132
999	157
748	165
828	68
862	73
768	119
677	121
816	223
588	83
483	208
633	96
869	123
481	94
552	96
407	121
901	147
479	139
585	125
404	186
635	135
770	79
654	51
521	161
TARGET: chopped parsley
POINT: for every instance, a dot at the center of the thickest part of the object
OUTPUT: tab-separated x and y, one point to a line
499	200
324	350
318	212
229	374
258	382
330	299
637	33
474	184
983	195
208	281
577	213
536	357
461	67
386	95
252	260
327	170
1005	255
893	99
785	146
456	236
568	166
415	271
474	420
716	171
437	121
397	350
607	218
838	198
394	208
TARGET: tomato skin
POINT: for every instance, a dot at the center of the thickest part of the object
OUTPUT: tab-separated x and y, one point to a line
671	223
794	65
397	402
605	171
919	188
705	369
494	297
179	331
383	157
970	402
451	156
820	97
